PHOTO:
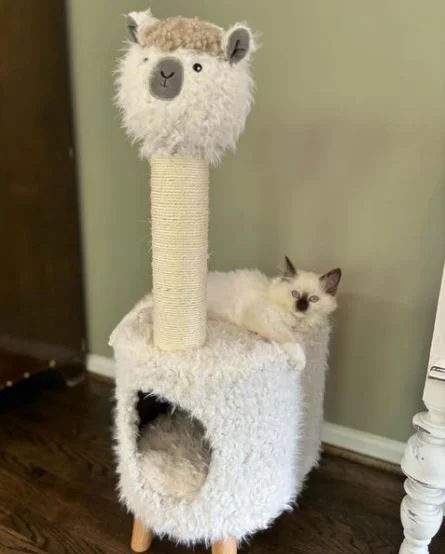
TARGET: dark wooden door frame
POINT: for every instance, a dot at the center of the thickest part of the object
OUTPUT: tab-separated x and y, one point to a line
42	314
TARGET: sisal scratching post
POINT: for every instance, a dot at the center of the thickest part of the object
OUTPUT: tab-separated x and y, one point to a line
179	230
227	446
179	215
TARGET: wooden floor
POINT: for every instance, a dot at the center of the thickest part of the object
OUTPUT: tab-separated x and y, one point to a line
57	486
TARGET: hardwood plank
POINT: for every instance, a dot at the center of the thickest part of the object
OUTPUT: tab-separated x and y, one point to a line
72	510
12	542
54	538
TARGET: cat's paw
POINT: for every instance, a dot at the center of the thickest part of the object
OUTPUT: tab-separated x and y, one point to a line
296	353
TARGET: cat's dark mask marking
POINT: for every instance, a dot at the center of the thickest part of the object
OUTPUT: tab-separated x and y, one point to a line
331	280
302	304
290	272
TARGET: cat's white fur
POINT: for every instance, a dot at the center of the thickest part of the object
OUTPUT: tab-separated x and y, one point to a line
266	305
243	297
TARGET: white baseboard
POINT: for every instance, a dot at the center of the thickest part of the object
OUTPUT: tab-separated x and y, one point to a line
354	440
364	443
101	365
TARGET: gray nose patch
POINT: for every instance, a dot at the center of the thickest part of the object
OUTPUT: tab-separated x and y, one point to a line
166	79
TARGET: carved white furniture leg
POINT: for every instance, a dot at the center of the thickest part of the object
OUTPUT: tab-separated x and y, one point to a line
424	460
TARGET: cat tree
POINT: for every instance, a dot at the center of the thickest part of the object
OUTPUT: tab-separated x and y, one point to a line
236	428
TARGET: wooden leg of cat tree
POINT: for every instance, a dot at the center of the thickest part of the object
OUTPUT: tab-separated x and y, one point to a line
141	538
224	547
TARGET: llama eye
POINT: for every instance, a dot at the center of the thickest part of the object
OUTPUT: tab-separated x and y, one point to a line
314	298
197	67
296	294
145	60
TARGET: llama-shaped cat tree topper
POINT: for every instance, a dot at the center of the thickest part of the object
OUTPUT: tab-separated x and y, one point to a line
185	90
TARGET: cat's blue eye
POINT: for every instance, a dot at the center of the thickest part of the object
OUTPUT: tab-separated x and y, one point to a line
314	298
296	294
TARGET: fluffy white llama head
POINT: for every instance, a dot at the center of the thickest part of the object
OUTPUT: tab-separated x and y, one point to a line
184	86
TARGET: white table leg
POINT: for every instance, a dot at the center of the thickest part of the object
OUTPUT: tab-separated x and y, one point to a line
424	460
424	466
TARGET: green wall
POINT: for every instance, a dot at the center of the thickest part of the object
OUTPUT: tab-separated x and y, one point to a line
342	163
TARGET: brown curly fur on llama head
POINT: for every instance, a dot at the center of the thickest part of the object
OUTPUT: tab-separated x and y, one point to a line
178	32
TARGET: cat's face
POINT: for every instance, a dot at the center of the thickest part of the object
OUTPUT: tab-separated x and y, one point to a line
307	294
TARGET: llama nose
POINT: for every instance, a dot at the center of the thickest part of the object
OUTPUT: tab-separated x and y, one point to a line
302	304
167	76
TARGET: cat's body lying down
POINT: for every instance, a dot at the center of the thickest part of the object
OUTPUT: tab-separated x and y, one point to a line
284	309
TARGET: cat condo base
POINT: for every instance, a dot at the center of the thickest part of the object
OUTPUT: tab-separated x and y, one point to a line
236	430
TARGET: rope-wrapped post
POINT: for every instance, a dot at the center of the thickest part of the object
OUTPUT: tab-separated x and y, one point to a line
179	217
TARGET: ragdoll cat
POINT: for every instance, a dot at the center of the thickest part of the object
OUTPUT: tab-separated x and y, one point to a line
280	309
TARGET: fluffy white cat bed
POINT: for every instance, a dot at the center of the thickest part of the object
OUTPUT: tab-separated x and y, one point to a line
242	433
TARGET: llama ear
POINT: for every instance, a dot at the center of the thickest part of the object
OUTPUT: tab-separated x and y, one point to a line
238	43
136	21
289	272
331	280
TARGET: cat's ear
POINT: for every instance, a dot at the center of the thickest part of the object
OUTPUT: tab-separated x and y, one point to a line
330	281
289	272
